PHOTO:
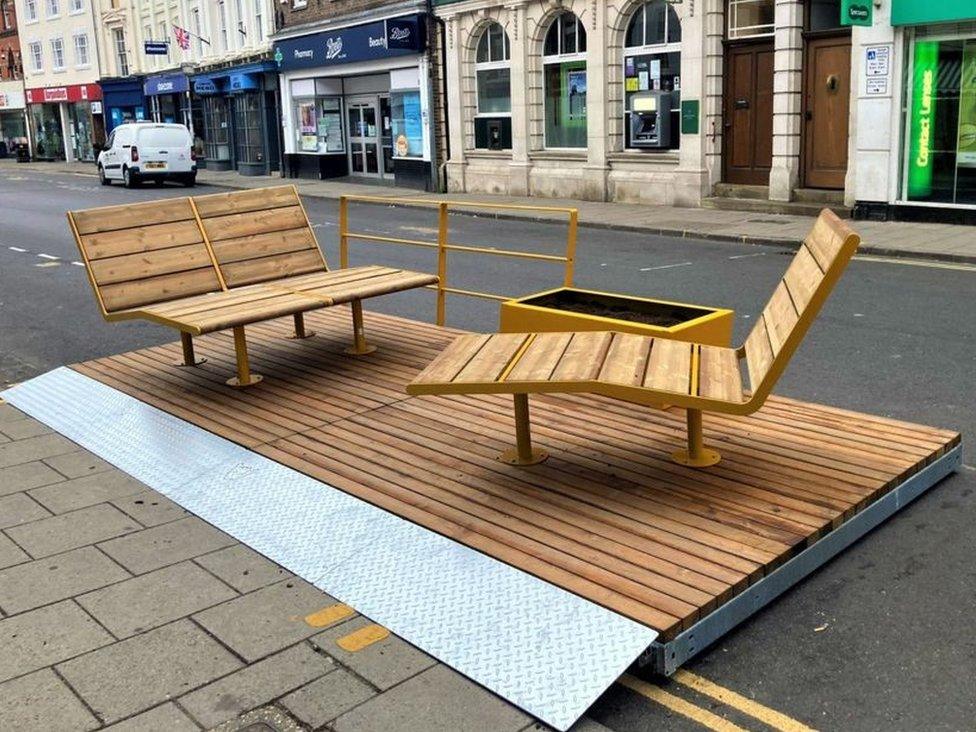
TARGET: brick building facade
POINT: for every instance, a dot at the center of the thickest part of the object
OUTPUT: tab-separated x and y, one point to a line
13	127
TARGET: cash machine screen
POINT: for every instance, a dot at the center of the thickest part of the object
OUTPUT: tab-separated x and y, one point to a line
644	104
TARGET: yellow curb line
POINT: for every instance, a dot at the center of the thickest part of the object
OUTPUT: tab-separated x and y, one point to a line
678	705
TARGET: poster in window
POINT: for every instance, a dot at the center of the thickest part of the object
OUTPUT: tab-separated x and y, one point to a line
966	149
306	127
576	84
407	127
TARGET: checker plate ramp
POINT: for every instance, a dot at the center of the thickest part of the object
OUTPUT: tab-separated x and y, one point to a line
543	649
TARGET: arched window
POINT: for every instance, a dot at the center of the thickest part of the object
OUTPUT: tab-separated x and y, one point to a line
493	119
652	77
564	64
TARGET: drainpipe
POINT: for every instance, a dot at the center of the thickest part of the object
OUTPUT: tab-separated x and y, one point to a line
442	173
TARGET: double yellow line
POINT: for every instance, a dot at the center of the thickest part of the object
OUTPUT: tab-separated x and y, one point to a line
769	717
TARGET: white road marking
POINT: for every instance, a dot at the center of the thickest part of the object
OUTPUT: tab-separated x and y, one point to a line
78	264
745	256
48	264
16	249
48	256
667	266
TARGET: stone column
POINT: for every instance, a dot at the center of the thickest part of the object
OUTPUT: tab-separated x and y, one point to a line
519	73
787	100
456	164
691	177
596	169
713	27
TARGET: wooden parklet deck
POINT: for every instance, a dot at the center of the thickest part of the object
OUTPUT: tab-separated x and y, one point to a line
608	517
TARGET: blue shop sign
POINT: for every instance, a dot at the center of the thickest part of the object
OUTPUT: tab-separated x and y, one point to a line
167	84
205	86
244	82
380	39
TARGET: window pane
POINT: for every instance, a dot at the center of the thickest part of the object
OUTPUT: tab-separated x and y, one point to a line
494	91
654	23
652	71
635	31
751	18
674	26
482	56
581	37
568	23
824	14
552	39
495	44
565	86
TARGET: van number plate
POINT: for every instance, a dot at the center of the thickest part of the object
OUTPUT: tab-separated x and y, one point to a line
155	165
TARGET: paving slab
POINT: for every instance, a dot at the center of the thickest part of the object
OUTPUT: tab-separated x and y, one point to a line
243	568
45	636
34	448
20	508
154	599
141	672
256	685
164	718
41	702
20	429
150	508
384	663
43	581
437	700
266	620
70	530
25	476
10	553
10	413
326	698
70	495
265	719
78	463
167	544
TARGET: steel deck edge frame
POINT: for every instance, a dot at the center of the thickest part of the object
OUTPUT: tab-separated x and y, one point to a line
666	658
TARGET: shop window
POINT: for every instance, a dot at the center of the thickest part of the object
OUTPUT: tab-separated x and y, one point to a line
248	129
940	152
407	123
564	71
751	18
652	63
217	123
319	125
57	54
493	121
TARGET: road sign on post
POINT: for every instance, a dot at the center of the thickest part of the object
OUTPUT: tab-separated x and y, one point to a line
857	12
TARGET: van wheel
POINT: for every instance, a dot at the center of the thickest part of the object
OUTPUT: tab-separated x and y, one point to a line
130	179
101	177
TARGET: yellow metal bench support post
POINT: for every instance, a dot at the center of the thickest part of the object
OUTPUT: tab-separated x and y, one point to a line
697	455
244	376
300	331
189	358
523	452
359	347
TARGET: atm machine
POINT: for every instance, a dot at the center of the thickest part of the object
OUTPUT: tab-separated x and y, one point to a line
650	119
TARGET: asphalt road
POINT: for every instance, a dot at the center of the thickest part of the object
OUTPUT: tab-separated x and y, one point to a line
881	638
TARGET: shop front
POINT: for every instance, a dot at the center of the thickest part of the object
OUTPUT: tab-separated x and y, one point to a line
919	86
356	101
240	113
123	101
168	98
66	122
13	120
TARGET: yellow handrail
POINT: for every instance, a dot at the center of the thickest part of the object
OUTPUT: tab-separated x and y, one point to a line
444	246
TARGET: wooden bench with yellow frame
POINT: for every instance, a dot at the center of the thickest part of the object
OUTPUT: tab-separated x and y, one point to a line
645	370
222	261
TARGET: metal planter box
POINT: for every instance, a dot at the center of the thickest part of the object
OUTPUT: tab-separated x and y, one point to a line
571	309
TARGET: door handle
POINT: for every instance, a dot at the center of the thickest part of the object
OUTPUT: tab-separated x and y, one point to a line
833	82
808	115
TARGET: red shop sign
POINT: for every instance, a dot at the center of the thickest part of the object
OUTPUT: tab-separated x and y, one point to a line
73	93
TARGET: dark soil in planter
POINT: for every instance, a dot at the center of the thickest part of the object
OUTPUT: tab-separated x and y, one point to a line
621	308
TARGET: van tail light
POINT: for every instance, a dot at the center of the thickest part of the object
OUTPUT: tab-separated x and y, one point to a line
134	151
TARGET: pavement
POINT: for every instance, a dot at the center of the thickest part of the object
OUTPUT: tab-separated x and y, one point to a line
945	242
126	606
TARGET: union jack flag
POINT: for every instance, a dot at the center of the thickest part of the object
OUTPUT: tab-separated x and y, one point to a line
182	37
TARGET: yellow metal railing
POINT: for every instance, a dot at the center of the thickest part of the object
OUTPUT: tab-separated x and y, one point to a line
443	244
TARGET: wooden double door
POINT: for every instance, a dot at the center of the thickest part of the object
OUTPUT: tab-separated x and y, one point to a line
748	112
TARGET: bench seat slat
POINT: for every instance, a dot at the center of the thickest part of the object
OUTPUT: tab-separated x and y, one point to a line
492	359
259	199
251	271
142	239
445	367
234	226
583	357
132	215
130	267
159	289
719	377
669	366
242	248
540	358
626	361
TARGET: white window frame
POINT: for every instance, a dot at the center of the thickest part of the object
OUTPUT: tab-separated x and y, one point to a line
259	20
121	51
52	9
222	24
490	65
79	64
30	11
164	37
76	7
196	22
758	31
57	44
7	21
36	49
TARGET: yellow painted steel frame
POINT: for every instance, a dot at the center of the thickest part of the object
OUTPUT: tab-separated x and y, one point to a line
518	316
444	246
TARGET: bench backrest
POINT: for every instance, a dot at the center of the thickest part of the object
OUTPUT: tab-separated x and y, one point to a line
144	253
797	300
259	235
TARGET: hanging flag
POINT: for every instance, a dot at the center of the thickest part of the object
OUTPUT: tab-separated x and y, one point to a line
182	37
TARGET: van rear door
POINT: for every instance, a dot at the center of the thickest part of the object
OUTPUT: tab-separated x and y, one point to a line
164	149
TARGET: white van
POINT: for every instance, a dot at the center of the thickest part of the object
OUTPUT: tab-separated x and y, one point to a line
139	151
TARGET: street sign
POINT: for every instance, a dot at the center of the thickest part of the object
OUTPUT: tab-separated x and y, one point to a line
857	12
156	48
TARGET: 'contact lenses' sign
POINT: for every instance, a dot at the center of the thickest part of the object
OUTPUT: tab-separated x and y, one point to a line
923	119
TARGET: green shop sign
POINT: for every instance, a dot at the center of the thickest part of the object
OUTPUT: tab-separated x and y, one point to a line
917	12
923	119
857	12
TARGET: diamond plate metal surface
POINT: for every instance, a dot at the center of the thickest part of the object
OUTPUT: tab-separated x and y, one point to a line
541	648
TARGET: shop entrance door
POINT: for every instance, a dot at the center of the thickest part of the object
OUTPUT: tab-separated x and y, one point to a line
826	108
364	136
747	149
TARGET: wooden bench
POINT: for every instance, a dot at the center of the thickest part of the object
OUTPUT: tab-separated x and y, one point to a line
650	371
222	261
